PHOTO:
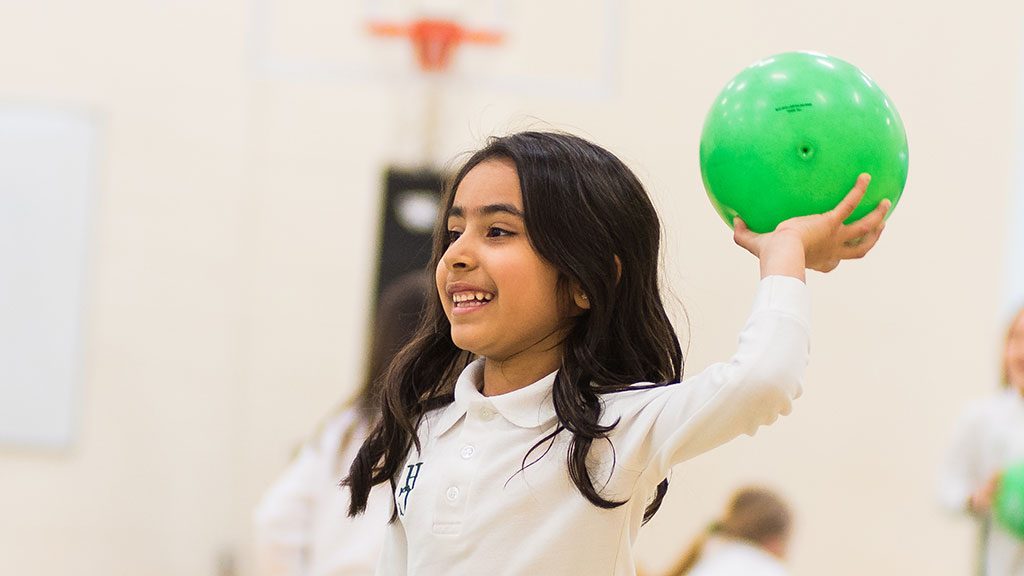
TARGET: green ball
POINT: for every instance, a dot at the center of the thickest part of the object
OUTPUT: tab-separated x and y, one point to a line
789	135
1008	502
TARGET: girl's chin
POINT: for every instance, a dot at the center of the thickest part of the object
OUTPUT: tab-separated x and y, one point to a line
467	344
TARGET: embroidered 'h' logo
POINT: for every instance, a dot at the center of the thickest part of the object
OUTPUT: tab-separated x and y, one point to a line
413	472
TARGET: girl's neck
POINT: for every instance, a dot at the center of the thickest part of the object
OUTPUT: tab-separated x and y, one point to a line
514	373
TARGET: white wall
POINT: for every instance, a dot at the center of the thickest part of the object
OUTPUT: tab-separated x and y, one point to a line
233	249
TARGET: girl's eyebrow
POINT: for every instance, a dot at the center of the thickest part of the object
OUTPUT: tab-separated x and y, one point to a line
458	212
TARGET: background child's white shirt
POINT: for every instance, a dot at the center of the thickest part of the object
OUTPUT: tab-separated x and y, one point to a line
729	557
466	507
301	524
989	437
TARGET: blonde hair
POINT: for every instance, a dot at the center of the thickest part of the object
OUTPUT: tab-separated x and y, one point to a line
1006	343
754	514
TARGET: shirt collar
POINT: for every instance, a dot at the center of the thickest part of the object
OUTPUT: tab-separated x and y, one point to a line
528	407
1017	397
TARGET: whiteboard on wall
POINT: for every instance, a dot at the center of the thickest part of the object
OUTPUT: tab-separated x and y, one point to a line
47	180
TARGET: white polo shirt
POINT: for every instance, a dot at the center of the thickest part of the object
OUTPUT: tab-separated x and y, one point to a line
467	506
735	557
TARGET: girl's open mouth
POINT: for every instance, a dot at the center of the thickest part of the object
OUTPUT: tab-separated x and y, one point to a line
467	300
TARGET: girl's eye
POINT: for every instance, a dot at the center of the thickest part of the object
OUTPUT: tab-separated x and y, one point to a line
453	235
494	231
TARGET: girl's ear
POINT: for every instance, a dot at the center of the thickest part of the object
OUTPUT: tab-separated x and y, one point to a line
581	299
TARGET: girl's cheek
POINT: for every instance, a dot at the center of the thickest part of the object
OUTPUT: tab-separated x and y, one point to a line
1015	348
440	275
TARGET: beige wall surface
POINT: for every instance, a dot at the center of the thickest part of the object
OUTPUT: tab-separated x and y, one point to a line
236	221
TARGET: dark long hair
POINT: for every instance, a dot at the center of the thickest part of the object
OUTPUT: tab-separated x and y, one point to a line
588	216
399	309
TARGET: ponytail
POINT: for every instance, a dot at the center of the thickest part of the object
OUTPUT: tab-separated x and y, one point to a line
695	551
755	515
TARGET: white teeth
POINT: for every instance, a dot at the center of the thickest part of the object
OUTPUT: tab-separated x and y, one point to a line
472	297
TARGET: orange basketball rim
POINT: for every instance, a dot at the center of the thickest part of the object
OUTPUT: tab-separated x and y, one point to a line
435	39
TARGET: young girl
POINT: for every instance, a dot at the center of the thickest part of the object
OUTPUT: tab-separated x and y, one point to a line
530	425
301	528
990	437
751	539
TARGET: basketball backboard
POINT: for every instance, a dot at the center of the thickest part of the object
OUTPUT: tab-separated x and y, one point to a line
325	40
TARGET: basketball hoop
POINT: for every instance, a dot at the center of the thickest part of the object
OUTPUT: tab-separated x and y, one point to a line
435	40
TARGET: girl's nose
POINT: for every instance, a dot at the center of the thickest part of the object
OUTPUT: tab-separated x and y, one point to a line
459	255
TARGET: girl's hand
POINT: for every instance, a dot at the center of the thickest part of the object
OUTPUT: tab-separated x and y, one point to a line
980	502
818	241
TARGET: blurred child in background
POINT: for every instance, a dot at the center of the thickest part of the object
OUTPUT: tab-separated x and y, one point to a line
990	437
301	524
751	539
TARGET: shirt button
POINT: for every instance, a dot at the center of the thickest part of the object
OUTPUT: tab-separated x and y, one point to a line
487	414
452	494
467	452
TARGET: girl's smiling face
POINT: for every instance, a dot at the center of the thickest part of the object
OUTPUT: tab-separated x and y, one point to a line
502	299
